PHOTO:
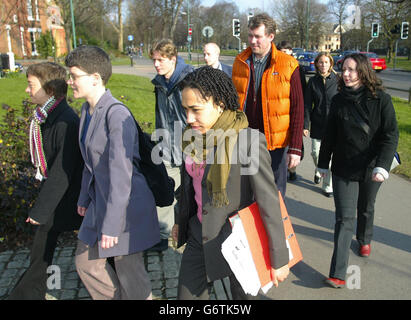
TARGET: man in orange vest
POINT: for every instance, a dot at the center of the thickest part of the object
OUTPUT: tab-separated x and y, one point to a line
269	88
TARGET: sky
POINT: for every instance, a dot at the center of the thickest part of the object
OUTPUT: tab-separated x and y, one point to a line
245	4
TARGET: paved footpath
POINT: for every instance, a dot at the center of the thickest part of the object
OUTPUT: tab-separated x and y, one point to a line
162	269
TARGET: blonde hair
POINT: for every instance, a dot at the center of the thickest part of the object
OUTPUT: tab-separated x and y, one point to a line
165	47
326	54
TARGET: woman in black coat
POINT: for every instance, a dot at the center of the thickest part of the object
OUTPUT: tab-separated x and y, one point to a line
56	156
361	137
317	99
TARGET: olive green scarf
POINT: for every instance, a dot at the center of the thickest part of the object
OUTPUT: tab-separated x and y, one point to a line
222	135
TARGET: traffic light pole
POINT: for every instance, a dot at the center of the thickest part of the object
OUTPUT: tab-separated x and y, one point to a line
368	44
395	56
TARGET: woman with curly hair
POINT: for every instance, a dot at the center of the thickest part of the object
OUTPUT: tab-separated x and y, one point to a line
361	138
216	182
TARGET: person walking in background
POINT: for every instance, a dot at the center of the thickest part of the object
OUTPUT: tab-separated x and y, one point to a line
361	138
214	187
320	90
120	217
211	57
56	155
170	120
269	88
286	47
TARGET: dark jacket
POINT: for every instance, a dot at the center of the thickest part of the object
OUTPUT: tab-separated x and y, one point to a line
317	100
168	102
56	204
354	152
228	70
245	185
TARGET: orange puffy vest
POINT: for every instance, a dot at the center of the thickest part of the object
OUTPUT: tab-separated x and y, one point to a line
275	93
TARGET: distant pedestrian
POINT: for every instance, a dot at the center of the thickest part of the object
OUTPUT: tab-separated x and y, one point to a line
120	217
56	155
269	88
214	188
170	119
317	100
360	140
212	58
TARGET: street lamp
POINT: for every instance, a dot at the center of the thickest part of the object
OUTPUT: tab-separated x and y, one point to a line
189	30
72	24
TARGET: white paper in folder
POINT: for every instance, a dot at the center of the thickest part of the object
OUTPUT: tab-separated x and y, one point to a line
236	251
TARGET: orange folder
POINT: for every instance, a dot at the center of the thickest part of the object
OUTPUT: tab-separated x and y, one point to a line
258	240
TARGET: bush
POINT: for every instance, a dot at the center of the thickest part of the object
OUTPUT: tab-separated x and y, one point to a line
45	45
18	188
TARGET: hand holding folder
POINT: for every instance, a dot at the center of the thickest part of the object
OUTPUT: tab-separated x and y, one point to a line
255	236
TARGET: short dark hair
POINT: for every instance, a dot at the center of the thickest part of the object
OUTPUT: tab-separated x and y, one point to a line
365	73
52	77
263	19
284	45
90	59
213	83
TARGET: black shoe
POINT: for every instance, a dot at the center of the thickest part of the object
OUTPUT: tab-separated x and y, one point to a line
317	179
328	194
161	246
292	176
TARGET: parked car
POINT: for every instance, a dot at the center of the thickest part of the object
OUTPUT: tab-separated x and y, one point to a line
378	64
338	59
297	51
306	61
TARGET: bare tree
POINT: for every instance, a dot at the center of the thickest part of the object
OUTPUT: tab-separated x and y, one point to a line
338	8
115	7
292	21
387	14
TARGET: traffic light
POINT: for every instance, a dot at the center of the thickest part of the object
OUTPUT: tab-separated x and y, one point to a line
190	31
374	30
396	30
236	27
404	30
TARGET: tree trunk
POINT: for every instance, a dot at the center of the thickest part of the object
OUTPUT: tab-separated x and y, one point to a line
120	26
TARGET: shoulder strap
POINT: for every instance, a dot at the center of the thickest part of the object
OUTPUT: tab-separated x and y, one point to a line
359	119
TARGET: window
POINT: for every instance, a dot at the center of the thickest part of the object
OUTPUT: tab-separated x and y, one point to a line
29	11
33	37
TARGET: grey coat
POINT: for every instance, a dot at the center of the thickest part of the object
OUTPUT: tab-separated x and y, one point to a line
247	182
118	200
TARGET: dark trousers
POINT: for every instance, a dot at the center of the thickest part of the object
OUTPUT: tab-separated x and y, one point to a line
193	283
353	199
279	166
32	284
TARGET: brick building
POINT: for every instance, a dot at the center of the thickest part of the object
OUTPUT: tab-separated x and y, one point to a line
23	21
